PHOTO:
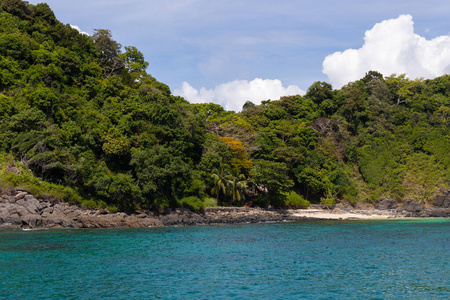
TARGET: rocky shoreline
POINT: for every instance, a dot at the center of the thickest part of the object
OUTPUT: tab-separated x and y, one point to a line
19	209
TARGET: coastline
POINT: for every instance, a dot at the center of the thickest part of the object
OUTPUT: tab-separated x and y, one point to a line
22	210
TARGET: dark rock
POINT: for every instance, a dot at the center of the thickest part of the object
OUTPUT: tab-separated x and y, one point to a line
385	204
11	192
167	211
442	201
411	206
434	212
171	219
103	211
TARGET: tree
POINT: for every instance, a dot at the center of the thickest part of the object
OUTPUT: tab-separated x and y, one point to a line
239	162
134	60
272	177
319	91
109	52
238	186
247	105
44	12
220	178
17	8
162	176
371	75
404	88
354	108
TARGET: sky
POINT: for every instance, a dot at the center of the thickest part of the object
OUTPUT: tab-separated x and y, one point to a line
229	52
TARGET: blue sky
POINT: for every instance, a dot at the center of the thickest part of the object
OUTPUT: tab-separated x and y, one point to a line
202	48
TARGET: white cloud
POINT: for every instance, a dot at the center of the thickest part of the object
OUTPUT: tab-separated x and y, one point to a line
391	47
79	30
232	95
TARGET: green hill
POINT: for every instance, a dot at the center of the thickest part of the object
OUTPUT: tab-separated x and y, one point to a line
82	120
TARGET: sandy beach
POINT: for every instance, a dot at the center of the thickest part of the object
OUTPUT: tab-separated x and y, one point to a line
345	215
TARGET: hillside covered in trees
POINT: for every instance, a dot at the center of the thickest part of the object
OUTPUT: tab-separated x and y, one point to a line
82	120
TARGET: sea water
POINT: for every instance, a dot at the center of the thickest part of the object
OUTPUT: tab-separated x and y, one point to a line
389	259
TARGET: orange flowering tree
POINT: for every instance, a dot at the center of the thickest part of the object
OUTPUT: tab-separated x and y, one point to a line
240	162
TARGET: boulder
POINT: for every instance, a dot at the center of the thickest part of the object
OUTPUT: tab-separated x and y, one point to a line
87	221
12	220
102	211
386	204
30	206
442	201
53	222
20	195
411	206
171	219
47	211
436	212
22	211
136	222
32	221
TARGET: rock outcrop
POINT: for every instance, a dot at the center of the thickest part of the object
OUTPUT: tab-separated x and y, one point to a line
411	206
442	201
386	204
440	207
20	209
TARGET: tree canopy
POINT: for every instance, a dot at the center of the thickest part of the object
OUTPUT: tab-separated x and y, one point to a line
82	114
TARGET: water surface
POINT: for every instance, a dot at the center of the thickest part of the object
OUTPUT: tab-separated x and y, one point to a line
381	259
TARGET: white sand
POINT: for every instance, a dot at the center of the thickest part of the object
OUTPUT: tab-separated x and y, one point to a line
340	215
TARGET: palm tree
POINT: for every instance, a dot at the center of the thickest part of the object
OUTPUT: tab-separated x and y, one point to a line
238	185
220	182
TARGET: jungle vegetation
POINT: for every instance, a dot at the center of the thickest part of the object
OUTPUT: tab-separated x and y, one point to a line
82	120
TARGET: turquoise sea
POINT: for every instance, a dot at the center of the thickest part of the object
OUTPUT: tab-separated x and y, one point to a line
390	259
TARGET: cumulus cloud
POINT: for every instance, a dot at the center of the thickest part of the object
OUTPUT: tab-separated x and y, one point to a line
232	95
391	47
79	30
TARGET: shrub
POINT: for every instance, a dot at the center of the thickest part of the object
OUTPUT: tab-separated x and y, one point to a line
294	200
328	201
36	187
193	203
210	202
90	204
112	209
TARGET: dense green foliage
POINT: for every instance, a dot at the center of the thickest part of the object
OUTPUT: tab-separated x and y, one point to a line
80	115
